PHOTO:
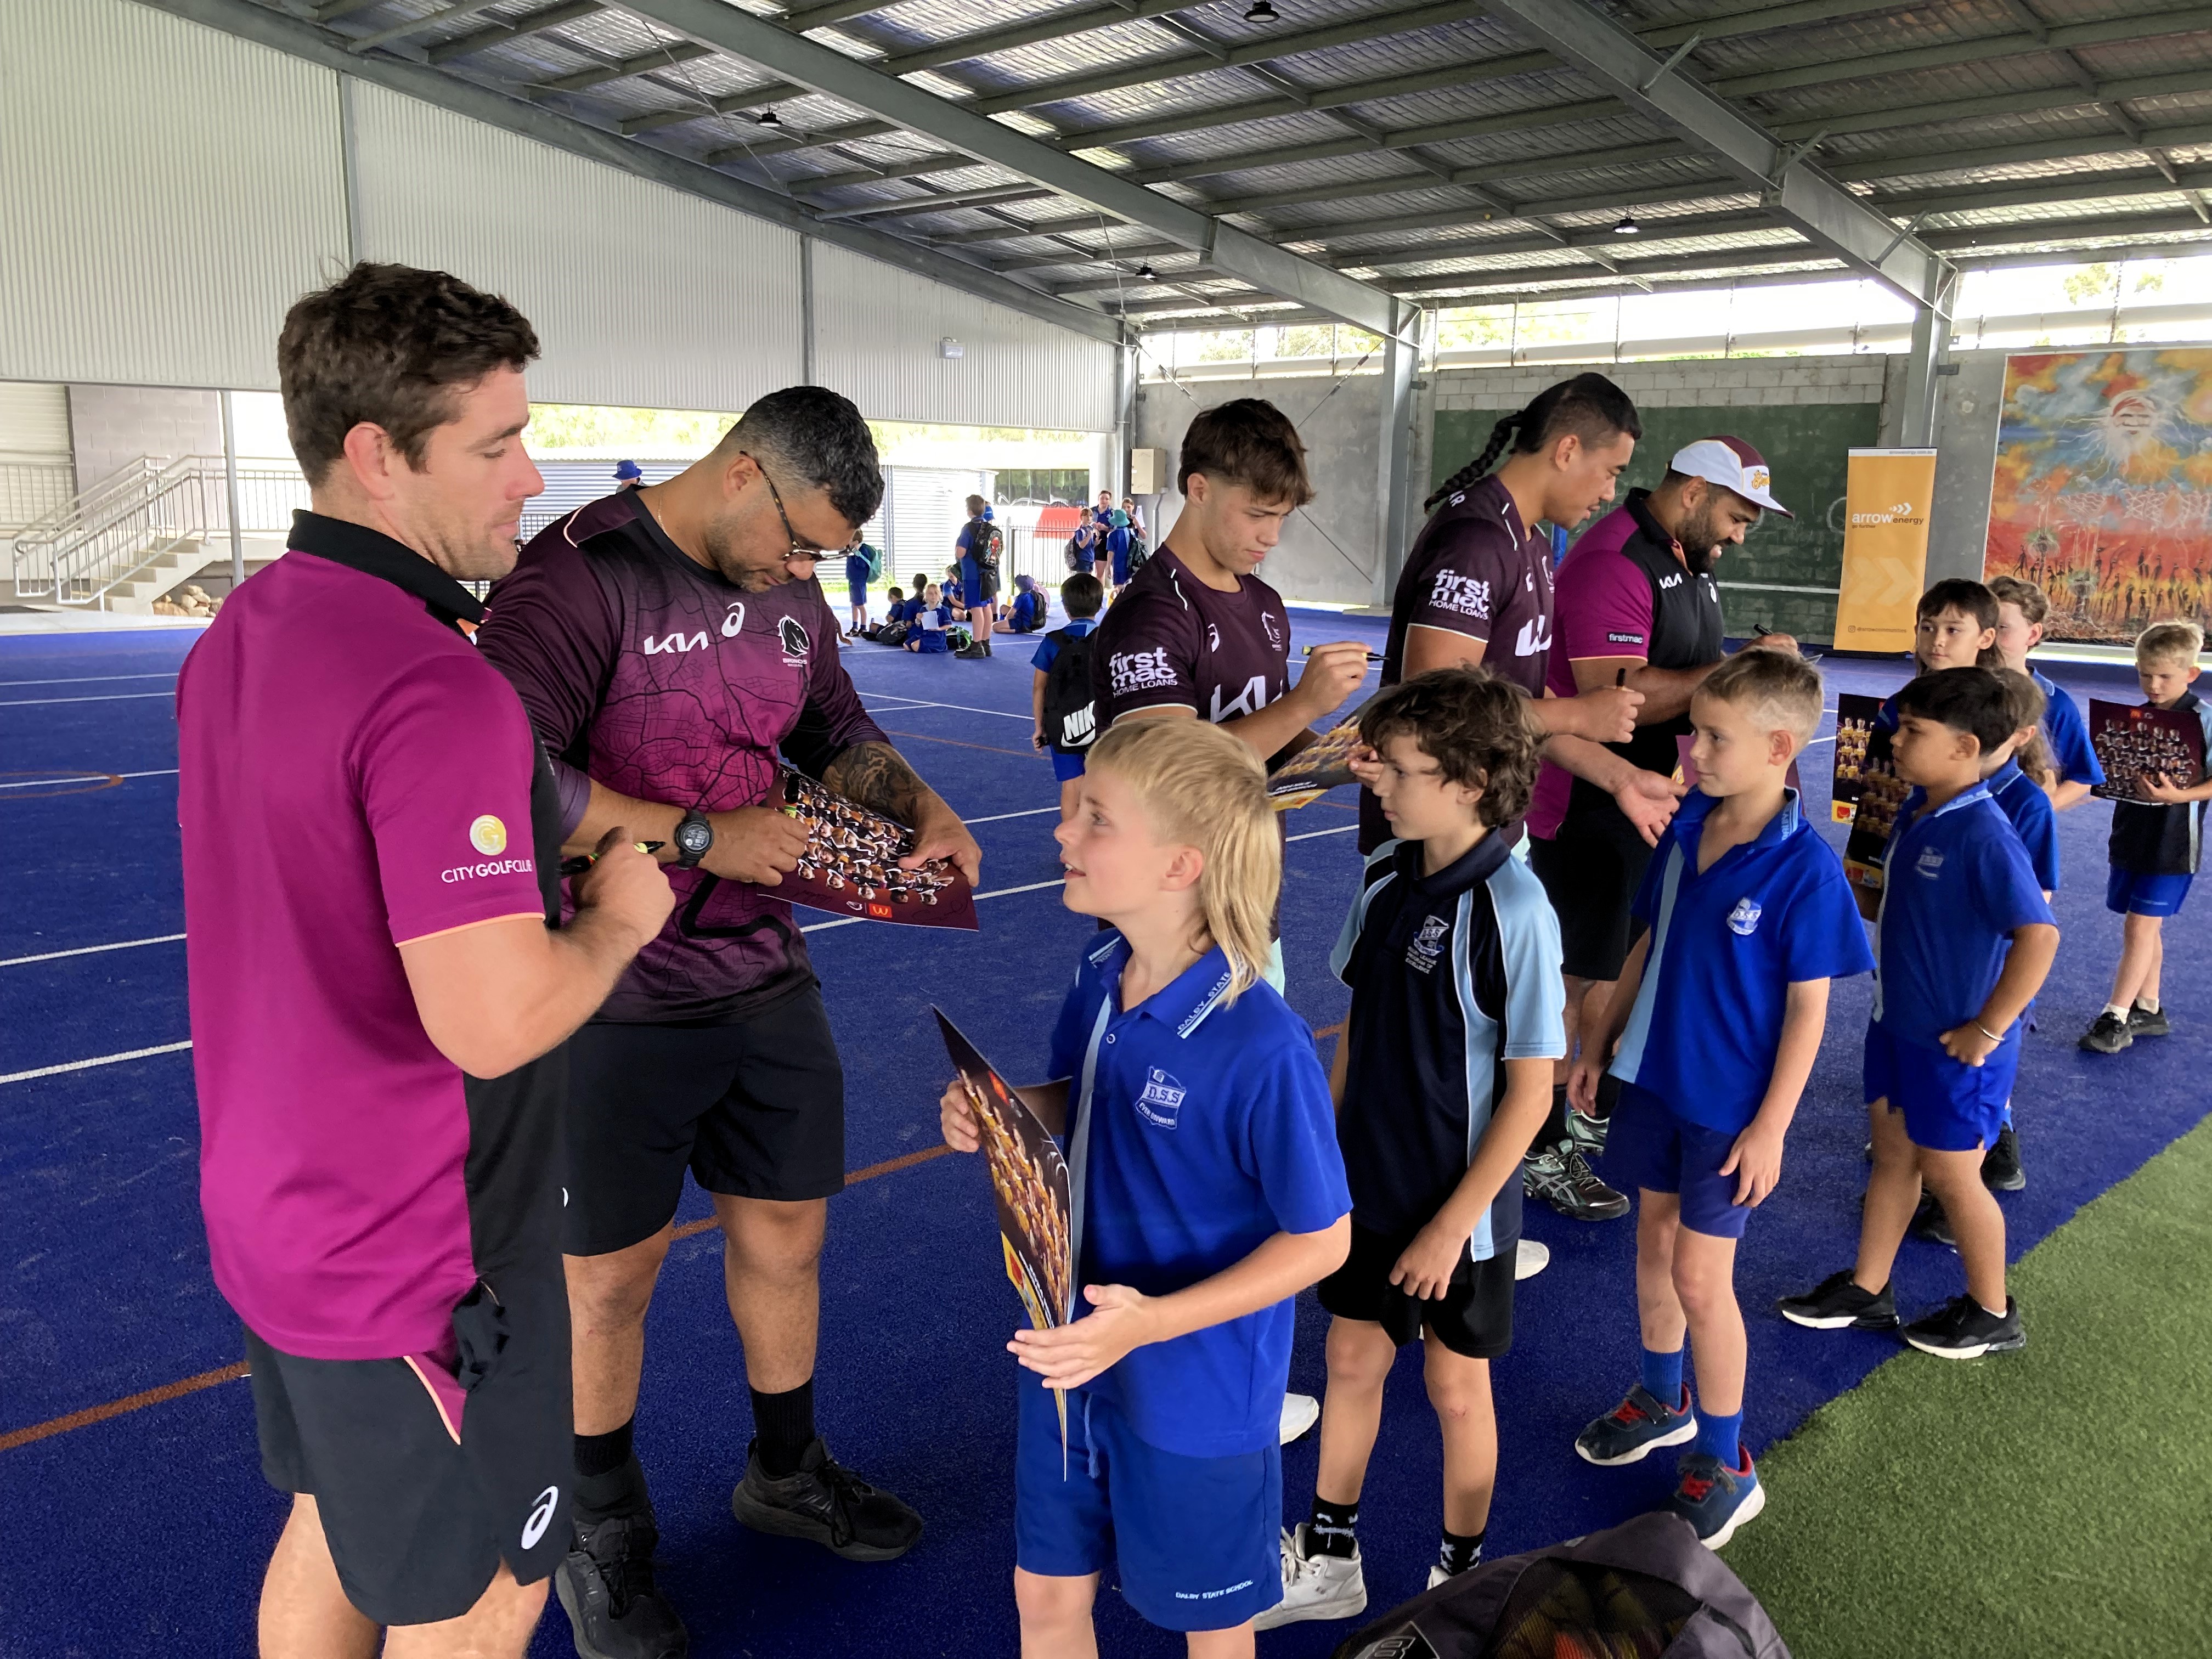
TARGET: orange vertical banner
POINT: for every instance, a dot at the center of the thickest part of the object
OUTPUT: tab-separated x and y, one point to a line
1885	499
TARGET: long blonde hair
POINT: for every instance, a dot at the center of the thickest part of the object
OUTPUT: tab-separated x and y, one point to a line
1201	787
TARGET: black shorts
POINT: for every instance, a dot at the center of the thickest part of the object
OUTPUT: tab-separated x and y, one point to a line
755	1109
1590	871
417	1519
1473	1317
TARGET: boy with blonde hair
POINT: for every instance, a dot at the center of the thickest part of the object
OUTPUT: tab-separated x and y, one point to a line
2023	609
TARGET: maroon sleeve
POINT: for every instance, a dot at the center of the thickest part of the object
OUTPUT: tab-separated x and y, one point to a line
1144	657
1472	581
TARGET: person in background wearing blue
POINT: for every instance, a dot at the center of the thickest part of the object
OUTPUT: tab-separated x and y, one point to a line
1207	1192
927	619
1749	918
1083	545
978	577
1115	547
1081	596
863	564
1962	942
1029	607
629	476
2023	609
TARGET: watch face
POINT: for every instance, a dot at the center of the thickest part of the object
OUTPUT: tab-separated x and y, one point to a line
694	836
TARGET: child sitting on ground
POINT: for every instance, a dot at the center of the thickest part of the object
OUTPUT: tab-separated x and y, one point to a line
2023	609
1443	1078
1027	615
1065	719
1209	1193
2154	847
1748	918
925	630
1962	942
893	627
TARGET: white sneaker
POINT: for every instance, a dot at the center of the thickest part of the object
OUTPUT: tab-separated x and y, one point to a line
1530	1258
1316	1586
1300	1412
1438	1576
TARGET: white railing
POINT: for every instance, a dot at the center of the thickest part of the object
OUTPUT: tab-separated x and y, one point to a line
31	490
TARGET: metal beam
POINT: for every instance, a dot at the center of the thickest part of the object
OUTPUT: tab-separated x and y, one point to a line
304	41
2008	103
514	29
726	28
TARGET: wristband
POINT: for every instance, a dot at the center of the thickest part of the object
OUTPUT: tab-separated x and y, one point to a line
1986	1032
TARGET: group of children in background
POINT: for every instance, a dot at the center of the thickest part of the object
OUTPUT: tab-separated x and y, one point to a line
1222	1172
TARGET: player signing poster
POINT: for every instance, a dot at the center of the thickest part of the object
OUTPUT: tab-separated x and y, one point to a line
851	865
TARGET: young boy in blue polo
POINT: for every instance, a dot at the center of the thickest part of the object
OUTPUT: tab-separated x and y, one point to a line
1722	1003
1443	1078
2155	847
1954	625
1206	1192
1081	596
1962	943
2023	609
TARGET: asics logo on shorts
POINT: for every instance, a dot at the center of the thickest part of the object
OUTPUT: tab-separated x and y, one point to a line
541	1516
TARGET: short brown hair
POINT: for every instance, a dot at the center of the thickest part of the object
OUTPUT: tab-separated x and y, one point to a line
1249	441
388	345
2034	604
1477	729
1779	687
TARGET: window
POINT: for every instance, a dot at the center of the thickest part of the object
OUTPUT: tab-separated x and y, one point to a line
1070	486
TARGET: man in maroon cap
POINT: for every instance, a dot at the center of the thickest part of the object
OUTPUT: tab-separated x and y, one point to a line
1635	597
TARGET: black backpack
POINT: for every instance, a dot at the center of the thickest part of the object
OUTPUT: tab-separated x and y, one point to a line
1138	552
1070	720
1079	558
984	545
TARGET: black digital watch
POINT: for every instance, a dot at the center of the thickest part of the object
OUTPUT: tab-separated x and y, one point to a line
694	837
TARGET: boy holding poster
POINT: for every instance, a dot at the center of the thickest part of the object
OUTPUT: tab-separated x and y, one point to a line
1206	1192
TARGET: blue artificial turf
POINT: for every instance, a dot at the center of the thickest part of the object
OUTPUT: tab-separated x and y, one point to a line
146	1534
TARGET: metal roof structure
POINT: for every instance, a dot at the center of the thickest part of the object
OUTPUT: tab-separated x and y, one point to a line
1152	163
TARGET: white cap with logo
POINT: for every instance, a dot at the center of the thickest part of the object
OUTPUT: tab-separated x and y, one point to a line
1733	464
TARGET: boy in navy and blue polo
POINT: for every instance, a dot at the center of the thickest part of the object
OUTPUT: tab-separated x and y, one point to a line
1962	943
1748	919
1081	596
2023	609
1443	1077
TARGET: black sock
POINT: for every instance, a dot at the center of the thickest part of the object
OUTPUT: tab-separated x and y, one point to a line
1555	1123
784	1423
1459	1552
609	1480
1330	1531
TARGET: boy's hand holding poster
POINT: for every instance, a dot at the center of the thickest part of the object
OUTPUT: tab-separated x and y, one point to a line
2132	741
1867	794
851	865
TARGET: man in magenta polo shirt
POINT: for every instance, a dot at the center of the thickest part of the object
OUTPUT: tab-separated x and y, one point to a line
381	988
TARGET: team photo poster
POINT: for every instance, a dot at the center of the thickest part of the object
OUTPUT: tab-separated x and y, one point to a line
1866	795
2131	741
851	865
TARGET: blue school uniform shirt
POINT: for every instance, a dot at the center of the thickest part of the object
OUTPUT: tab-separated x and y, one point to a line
1027	611
1956	883
1452	975
2068	734
1726	946
2032	819
1199	1128
1048	651
856	569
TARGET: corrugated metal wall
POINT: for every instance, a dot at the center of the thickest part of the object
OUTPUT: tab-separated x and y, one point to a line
641	296
876	331
165	192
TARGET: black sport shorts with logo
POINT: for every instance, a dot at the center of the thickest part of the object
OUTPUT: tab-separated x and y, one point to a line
753	1109
1473	1317
429	1471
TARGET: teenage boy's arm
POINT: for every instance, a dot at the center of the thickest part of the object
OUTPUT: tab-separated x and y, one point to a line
1425	1269
1597	1045
1755	1160
1037	707
2034	947
1332	674
1070	1356
1606	714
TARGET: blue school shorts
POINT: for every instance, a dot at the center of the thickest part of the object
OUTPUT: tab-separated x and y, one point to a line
1197	1538
1065	768
1948	1105
857	591
1649	1146
2128	894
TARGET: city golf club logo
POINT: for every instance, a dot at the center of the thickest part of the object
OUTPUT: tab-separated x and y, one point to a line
796	643
1161	1103
541	1516
1428	944
488	835
1743	921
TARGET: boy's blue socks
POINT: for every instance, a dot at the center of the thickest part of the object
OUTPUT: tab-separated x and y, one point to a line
1663	1377
1721	1436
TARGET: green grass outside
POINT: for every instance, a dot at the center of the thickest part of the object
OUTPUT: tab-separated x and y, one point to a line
2056	1502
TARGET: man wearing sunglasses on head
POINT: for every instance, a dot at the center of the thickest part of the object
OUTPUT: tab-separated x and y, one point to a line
673	650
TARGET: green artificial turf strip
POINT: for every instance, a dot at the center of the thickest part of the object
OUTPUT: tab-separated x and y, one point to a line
2056	1501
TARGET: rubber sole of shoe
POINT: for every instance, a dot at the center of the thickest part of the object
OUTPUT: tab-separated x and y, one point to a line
1688	1431
766	1518
2008	1345
1345	1607
2016	1182
2087	1047
586	1649
1754	1502
1840	1321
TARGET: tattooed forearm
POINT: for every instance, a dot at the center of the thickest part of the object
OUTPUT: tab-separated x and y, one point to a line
876	776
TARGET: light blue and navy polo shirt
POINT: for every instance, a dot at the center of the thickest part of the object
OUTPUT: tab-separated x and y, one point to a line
1727	945
1451	975
2067	733
2032	819
1198	1129
1956	884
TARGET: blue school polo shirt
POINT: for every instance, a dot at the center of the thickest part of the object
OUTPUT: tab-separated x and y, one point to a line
2068	734
1451	975
1956	883
1726	947
1048	651
1199	1128
2033	820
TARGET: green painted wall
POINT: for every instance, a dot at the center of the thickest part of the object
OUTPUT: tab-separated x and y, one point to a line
1806	444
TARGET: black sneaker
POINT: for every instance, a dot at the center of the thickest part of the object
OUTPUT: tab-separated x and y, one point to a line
972	651
1587	1134
828	1503
606	1585
1963	1329
2108	1036
1563	1178
2001	1171
1836	1305
2149	1022
1928	1222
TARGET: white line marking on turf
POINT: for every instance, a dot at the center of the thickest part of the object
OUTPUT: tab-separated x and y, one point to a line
965	708
101	1059
88	679
108	696
1341	828
87	777
91	950
1001	817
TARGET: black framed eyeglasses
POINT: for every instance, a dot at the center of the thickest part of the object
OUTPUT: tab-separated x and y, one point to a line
799	549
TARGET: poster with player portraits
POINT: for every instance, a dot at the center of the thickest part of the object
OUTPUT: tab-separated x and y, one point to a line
1866	794
2131	740
851	865
1319	767
1030	1180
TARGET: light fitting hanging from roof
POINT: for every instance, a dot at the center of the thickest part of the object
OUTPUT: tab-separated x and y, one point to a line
1147	274
1628	227
1261	12
767	117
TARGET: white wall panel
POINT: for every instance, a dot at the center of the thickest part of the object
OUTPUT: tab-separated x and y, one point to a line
35	421
166	192
876	330
641	295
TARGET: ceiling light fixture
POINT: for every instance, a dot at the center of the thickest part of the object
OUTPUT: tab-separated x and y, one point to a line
1628	227
1261	12
1148	274
767	117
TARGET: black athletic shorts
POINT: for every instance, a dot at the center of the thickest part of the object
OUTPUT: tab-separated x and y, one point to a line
755	1109
1473	1317
1590	871
429	1471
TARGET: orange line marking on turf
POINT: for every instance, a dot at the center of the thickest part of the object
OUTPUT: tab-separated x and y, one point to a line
992	748
889	1166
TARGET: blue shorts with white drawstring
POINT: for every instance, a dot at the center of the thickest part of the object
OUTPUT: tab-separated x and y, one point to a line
1197	1538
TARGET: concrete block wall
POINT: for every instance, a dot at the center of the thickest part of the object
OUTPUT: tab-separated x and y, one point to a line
109	425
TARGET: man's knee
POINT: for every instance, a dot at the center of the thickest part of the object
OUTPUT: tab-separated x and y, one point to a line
778	1239
616	1288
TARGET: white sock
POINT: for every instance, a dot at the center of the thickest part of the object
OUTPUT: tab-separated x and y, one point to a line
2116	1011
2148	1005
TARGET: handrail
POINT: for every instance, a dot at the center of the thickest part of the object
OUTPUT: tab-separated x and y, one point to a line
125	479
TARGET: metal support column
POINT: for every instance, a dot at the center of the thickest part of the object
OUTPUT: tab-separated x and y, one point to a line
230	492
1400	355
806	310
1932	340
1125	416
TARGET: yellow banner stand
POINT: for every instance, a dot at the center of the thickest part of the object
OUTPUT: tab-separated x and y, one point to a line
1886	493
